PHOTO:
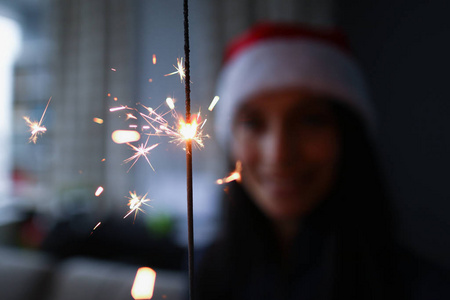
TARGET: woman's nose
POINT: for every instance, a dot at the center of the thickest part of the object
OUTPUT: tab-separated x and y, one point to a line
279	149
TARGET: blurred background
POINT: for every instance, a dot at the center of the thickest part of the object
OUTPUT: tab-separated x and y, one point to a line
91	55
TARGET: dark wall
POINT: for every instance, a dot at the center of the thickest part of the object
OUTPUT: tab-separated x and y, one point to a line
403	47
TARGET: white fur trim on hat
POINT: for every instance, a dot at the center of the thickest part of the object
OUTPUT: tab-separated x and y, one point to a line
286	63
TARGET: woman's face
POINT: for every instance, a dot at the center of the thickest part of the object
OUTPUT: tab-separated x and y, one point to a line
288	144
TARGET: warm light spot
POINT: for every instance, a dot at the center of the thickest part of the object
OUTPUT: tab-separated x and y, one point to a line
125	136
109	95
115	99
188	130
98	191
104	159
234	176
213	103
154	59
144	284
98	120
150	80
112	69
170	103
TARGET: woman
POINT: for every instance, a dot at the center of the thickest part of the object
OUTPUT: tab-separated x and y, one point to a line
310	218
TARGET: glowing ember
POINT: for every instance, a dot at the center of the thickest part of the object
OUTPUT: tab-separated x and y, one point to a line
125	136
135	202
98	191
170	103
188	130
98	120
114	70
144	284
179	70
131	116
213	103
154	59
142	150
118	108
95	227
234	176
36	128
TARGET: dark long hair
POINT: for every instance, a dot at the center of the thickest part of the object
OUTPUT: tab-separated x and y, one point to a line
357	213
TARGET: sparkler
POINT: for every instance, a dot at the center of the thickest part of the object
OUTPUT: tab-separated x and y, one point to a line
36	128
189	185
135	202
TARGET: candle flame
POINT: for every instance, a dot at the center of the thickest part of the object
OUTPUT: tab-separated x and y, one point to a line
144	284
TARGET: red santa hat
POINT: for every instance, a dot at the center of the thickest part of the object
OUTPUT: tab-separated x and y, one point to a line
273	56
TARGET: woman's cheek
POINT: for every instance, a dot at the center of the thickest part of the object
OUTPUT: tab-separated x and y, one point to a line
245	152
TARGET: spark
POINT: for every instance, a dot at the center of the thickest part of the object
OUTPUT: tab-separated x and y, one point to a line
179	70
36	128
95	227
170	103
99	191
234	176
98	120
131	116
135	202
154	59
141	150
114	70
118	108
213	103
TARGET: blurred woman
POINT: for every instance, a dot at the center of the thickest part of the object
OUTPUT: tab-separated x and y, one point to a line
309	218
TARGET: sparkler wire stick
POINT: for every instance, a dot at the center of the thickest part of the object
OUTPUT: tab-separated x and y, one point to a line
188	153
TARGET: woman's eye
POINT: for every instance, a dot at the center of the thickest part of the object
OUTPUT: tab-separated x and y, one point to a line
249	123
